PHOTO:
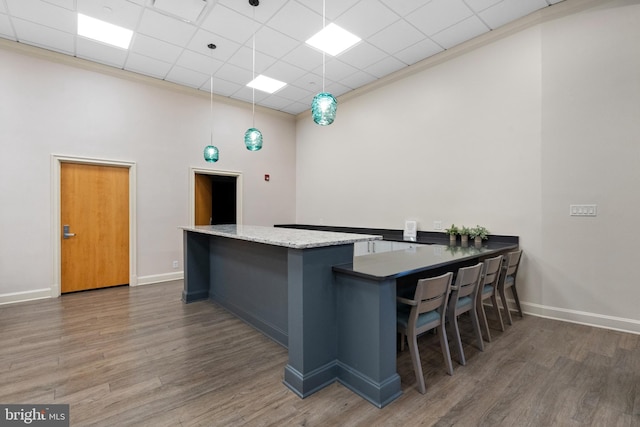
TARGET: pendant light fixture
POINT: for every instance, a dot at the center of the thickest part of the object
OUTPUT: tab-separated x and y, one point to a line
324	105
211	152
253	137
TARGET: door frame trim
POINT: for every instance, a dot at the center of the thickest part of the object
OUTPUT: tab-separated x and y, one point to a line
56	161
192	189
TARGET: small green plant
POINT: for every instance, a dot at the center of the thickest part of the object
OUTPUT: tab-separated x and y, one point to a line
453	230
464	231
479	231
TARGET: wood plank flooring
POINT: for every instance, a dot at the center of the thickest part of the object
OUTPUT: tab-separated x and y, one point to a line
140	357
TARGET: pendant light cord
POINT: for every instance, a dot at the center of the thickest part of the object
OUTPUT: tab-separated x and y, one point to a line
211	93
323	26
253	76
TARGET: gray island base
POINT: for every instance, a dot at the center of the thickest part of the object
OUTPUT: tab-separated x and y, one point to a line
281	282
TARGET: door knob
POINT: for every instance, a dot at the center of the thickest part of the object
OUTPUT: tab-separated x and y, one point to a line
65	232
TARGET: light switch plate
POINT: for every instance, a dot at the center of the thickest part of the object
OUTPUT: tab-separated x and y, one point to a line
583	210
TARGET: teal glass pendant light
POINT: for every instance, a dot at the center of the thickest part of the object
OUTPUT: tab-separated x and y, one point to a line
253	137
211	152
324	105
323	108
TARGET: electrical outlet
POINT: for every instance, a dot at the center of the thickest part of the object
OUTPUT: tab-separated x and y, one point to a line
437	225
175	264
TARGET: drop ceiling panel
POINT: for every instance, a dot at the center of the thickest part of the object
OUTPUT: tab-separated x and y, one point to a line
292	92
163	27
333	9
480	5
48	38
396	37
362	55
274	43
386	66
243	58
118	12
456	34
43	13
155	48
198	62
358	79
264	12
230	24
421	50
187	77
337	70
148	66
437	15
276	102
336	89
235	74
284	72
224	50
296	21
378	17
189	10
5	28
396	34
510	10
68	4
222	87
98	52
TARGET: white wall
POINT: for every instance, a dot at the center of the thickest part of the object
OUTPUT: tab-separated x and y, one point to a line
506	134
66	108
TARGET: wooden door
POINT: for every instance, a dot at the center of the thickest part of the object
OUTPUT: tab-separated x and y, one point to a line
94	203
203	199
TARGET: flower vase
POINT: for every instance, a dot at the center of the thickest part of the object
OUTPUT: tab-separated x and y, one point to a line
464	240
452	240
477	242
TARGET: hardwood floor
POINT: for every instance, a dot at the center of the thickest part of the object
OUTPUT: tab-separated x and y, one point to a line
140	357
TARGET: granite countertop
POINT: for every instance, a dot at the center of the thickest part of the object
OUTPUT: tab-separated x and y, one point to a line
287	237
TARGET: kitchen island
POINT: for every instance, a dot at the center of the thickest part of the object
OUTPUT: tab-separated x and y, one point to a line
279	281
335	313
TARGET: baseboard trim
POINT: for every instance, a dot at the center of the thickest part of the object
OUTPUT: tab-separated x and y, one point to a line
15	297
620	324
158	278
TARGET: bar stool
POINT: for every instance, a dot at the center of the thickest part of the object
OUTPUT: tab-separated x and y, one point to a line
462	300
489	290
428	309
508	280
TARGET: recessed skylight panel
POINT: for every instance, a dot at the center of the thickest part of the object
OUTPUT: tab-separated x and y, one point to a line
266	84
104	32
333	40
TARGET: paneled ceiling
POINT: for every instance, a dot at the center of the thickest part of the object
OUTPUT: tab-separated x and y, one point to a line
171	37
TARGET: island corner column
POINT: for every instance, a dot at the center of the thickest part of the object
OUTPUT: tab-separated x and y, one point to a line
312	317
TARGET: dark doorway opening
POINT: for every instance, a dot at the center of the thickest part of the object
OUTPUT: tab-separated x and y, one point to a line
215	199
223	200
